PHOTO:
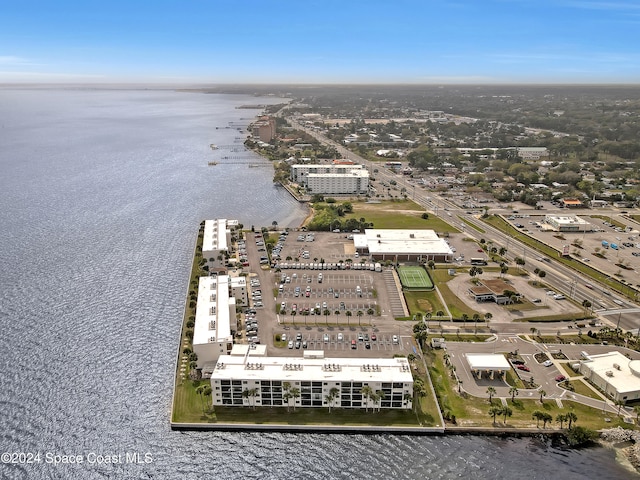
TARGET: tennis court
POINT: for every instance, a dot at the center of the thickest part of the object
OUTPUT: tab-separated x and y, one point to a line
414	277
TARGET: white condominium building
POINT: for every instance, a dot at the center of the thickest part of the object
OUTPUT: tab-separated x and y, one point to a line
316	381
299	173
217	239
355	182
215	310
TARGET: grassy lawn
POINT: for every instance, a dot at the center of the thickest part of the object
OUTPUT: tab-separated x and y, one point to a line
579	386
189	405
456	306
472	411
315	416
472	225
545	249
398	214
423	302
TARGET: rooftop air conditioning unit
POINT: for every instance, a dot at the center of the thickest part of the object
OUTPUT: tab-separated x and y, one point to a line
609	373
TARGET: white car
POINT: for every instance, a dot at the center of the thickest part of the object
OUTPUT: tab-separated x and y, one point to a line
395	339
547	363
290	345
340	337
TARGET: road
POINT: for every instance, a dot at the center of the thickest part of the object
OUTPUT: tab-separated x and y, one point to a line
559	277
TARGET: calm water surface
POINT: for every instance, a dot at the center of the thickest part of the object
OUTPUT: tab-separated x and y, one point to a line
101	193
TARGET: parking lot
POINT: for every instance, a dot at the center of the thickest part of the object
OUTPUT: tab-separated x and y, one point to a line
344	341
342	291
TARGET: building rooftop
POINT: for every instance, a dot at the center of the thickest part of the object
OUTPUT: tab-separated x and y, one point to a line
306	369
487	361
402	242
215	236
212	312
566	219
620	372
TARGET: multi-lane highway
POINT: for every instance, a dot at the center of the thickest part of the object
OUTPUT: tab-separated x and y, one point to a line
606	304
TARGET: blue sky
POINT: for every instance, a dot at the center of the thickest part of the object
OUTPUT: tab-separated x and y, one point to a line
320	41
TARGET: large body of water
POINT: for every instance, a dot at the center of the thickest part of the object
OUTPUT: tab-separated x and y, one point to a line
101	193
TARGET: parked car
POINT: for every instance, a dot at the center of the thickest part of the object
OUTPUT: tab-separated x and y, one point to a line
524	368
560	378
373	337
548	363
340	337
396	339
354	345
290	345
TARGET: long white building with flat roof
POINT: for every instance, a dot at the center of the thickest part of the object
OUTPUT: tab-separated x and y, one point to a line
266	379
299	172
354	182
567	223
403	245
332	179
217	240
215	311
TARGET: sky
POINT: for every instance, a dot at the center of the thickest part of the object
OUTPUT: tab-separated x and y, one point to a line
320	41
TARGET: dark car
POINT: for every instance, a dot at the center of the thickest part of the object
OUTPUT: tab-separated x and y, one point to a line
560	378
517	362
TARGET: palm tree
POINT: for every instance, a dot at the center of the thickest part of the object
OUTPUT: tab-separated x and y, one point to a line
337	313
348	314
326	314
506	412
488	316
546	418
439	314
367	393
503	269
537	414
379	396
491	391
359	314
370	312
286	386
287	397
293	316
513	391
571	417
465	317
200	391
295	394
494	411
542	395
253	392
333	394
207	392
409	398
476	317
431	264
245	394
561	418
